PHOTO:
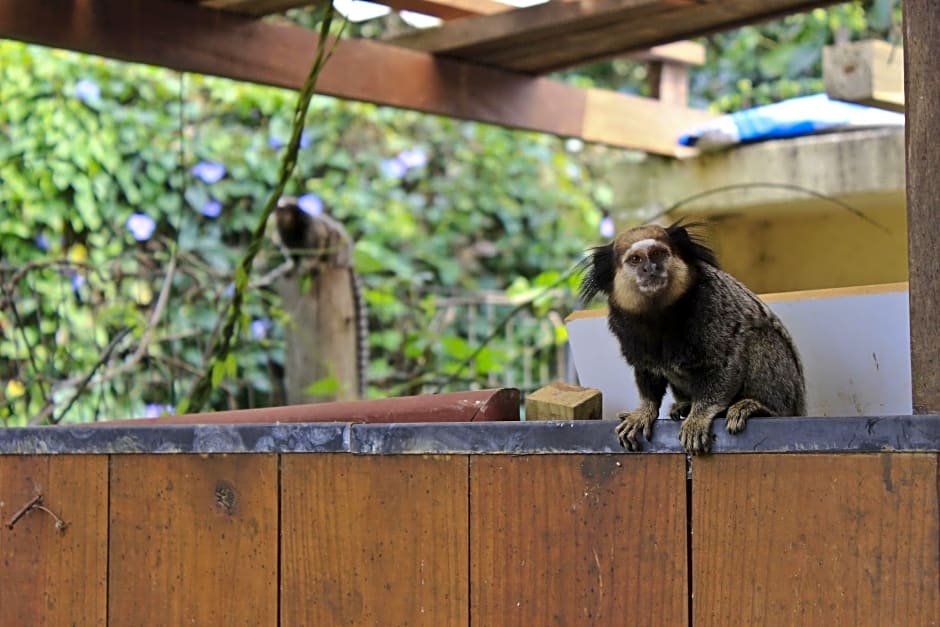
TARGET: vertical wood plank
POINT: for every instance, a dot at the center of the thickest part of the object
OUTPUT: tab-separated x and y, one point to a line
374	540
815	540
922	102
193	540
578	540
47	576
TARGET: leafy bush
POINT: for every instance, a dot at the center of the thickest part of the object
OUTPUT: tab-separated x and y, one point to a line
109	167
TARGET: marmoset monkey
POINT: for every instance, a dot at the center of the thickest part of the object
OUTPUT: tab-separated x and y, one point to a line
682	321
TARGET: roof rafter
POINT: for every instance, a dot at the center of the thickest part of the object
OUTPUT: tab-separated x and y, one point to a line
557	35
192	38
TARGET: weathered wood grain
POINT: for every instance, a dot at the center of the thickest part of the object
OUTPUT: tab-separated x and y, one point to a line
374	540
578	540
48	576
193	540
815	540
922	101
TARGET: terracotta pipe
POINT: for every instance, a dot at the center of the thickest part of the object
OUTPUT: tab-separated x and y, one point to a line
476	406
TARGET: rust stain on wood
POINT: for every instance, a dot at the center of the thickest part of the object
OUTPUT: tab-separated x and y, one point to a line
193	540
816	540
374	540
578	539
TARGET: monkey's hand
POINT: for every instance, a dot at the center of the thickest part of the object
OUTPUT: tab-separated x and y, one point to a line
632	422
742	410
695	435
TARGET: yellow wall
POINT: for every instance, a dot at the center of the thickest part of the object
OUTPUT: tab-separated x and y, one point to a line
785	251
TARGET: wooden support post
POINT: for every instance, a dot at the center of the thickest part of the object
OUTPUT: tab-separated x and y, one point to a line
320	339
922	96
563	401
669	82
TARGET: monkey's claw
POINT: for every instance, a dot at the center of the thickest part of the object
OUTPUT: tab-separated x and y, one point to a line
679	410
632	423
695	436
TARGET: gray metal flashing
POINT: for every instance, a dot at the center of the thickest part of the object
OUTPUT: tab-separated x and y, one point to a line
763	435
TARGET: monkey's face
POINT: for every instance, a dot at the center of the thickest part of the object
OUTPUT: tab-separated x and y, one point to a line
646	263
648	274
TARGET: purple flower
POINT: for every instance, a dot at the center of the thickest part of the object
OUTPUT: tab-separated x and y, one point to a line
155	410
212	208
86	90
275	142
42	243
209	171
77	281
229	290
260	328
607	227
414	158
310	204
141	226
305	139
393	168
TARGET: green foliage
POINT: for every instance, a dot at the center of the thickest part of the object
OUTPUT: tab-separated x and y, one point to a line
87	146
765	63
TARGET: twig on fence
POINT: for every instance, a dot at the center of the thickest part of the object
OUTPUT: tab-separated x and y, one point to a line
36	503
504	323
23	510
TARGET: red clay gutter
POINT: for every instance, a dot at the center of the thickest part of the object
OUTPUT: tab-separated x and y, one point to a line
476	406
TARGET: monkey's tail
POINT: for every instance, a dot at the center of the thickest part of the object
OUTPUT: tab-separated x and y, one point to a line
362	333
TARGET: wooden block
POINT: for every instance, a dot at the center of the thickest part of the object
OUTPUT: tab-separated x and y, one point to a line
867	72
578	540
194	540
563	401
48	576
374	540
815	540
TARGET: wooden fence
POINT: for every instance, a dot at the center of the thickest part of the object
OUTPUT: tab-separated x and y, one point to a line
470	524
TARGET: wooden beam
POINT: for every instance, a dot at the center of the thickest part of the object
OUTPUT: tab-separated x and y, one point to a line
867	72
256	7
555	35
194	39
448	9
682	52
922	95
444	9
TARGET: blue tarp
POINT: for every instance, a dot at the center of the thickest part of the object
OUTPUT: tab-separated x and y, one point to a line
788	118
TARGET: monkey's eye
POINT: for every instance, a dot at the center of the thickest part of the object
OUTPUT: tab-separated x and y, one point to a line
634	260
659	255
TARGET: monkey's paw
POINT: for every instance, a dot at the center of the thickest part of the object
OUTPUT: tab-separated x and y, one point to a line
679	410
631	424
738	413
695	435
